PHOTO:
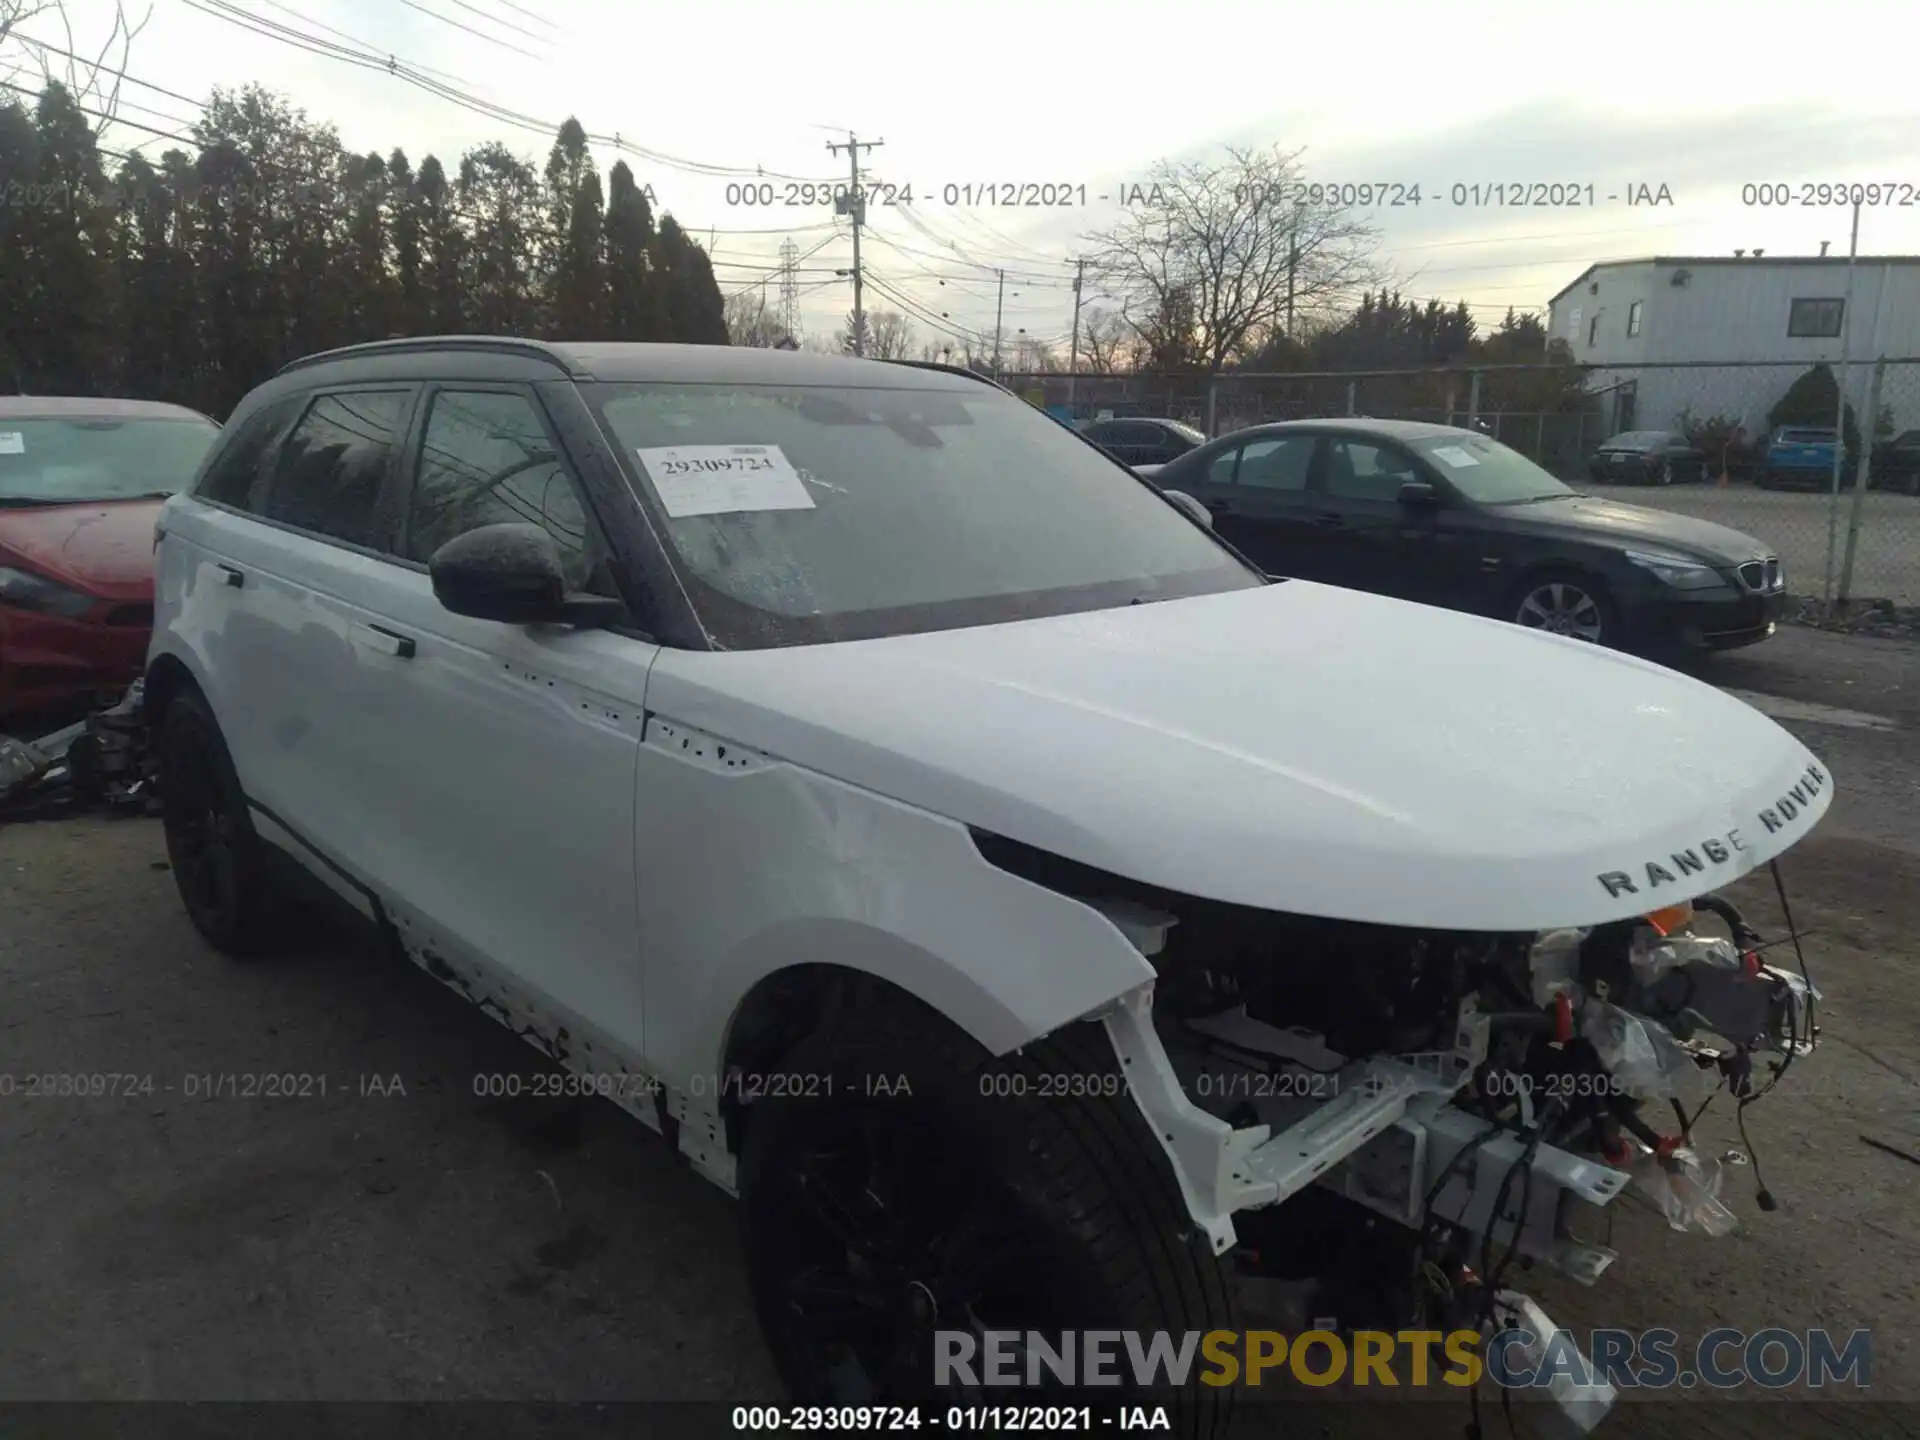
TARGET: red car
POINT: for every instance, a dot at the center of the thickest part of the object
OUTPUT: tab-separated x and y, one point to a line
81	482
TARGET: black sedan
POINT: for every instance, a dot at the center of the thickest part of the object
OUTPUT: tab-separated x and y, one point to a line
1454	518
1647	457
1139	440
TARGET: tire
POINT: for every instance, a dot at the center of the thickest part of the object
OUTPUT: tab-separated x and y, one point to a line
997	1207
1565	602
217	858
1664	475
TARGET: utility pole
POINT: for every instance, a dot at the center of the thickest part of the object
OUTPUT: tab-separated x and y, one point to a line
1073	346
854	205
1293	266
1840	419
999	309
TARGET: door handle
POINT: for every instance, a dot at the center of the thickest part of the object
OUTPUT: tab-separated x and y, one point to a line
233	576
385	641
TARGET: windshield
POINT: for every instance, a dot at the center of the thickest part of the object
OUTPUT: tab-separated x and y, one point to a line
799	515
80	458
1488	472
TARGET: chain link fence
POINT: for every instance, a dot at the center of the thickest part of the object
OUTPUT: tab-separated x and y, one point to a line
1857	542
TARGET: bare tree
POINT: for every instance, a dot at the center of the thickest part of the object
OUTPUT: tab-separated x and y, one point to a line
92	75
14	14
1104	340
889	335
1032	357
752	321
1214	256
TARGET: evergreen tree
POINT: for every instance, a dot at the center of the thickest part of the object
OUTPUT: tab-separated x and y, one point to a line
633	309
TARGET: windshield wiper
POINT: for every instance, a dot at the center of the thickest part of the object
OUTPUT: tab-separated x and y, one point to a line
1562	495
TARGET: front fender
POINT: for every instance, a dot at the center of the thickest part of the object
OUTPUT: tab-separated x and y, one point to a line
794	868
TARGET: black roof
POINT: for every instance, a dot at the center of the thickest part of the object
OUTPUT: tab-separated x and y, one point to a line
617	361
89	407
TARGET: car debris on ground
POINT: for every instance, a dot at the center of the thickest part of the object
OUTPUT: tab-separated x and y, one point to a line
101	763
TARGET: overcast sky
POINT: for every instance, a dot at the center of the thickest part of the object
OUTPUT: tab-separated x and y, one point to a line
1700	97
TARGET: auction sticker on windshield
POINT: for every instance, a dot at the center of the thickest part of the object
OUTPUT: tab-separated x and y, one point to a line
12	442
723	479
1454	456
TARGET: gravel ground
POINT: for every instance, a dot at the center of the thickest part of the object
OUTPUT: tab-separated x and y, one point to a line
400	1237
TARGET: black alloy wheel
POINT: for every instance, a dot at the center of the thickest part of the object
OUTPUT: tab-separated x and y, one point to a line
883	1233
212	847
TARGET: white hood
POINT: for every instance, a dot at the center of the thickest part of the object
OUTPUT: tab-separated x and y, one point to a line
1298	748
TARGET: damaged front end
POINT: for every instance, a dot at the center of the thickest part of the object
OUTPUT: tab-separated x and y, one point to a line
1489	1095
104	762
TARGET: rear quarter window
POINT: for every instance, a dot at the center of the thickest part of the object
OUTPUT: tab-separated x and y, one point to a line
238	469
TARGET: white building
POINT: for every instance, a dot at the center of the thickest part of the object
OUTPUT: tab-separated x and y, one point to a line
1718	311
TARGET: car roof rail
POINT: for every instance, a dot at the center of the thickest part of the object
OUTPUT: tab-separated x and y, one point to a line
951	370
424	344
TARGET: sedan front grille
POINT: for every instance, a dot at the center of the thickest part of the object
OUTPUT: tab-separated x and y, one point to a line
1763	577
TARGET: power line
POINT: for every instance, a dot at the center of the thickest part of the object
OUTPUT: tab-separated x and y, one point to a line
276	170
318	25
233	14
203	107
942	325
522	10
103	115
459	25
496	20
1023	276
109	70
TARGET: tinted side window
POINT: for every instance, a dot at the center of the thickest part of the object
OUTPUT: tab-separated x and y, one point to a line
1357	470
1276	464
238	474
331	468
485	459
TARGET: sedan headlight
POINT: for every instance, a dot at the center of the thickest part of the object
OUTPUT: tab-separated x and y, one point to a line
1677	570
28	591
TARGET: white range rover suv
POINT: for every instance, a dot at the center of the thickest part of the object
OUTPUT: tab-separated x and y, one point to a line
1039	918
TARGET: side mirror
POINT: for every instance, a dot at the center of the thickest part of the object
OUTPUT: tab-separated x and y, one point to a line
1419	495
512	573
1191	507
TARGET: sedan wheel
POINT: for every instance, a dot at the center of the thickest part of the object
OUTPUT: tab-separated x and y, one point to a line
1562	607
1665	474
